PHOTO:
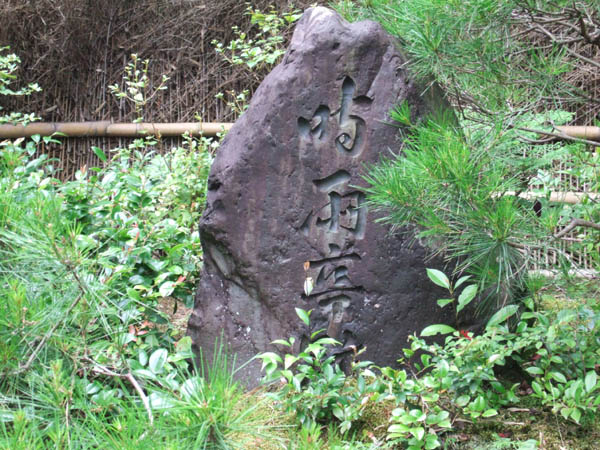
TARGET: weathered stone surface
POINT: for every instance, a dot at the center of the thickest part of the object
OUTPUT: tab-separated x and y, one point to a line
285	189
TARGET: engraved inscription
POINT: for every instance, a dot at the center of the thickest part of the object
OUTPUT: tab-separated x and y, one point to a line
339	218
317	125
345	123
350	138
332	274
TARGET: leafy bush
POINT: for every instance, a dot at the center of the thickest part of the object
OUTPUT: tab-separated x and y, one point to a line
9	64
139	215
84	266
255	51
559	350
265	47
314	387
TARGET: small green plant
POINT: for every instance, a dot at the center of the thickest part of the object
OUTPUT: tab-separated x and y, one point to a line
418	420
238	102
314	387
562	359
256	51
9	65
265	47
466	296
137	85
558	351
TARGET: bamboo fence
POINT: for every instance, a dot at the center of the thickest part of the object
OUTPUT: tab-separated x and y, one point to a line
76	50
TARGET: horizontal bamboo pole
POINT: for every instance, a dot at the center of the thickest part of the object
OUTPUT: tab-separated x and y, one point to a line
581	132
589	274
109	129
572	198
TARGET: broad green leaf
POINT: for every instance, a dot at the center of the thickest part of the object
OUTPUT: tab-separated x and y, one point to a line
314	334
590	381
534	370
144	373
158	360
143	357
269	357
418	415
558	377
462	401
444	301
439	328
418	432
304	315
466	296
495	357
327	341
92	388
537	388
461	280
432	442
133	294
398	429
159	400
156	265
289	360
445	424
166	288
100	154
281	342
490	413
438	278
337	412
502	315
576	414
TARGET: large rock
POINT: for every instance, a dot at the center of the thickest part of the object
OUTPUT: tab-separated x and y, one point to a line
285	188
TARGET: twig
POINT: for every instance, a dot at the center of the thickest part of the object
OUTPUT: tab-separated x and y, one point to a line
583	28
577	223
527	410
142	395
27	365
572	52
98	368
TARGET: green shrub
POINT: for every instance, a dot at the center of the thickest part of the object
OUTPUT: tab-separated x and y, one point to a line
84	266
9	65
314	387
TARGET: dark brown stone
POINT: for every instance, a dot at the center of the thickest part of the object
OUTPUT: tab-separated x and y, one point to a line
285	189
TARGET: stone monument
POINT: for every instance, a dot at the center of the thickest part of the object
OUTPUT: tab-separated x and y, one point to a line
285	204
